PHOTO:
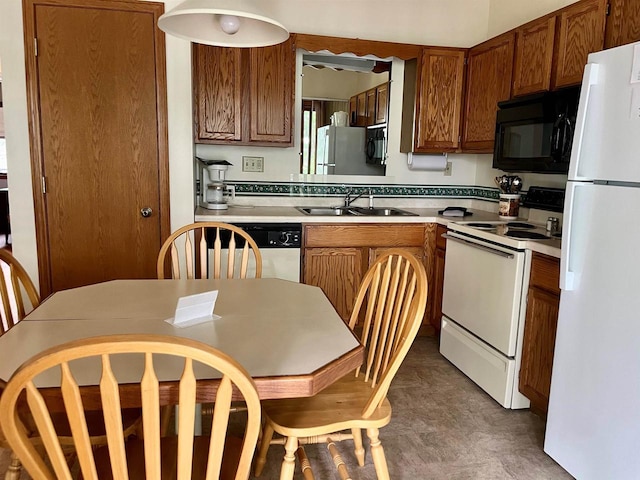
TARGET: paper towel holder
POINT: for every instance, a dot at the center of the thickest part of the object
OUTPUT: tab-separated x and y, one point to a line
427	162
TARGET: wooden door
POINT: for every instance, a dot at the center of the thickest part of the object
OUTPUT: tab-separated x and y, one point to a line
489	71
623	23
353	111
97	93
217	89
361	109
272	75
371	106
338	272
382	102
439	102
581	31
534	56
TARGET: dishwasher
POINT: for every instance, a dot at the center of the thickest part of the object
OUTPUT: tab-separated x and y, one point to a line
279	245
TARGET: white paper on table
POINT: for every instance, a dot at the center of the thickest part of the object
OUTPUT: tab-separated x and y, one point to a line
195	309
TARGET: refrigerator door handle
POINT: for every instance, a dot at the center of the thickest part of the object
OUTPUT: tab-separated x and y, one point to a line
568	276
590	78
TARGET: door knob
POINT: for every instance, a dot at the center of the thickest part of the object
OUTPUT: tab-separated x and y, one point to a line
146	212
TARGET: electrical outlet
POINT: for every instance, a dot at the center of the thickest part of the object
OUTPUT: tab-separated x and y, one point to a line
253	164
447	170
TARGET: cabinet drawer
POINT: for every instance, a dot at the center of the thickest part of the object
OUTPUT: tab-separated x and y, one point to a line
367	235
545	273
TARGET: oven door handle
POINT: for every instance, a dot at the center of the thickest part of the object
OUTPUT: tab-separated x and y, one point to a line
479	246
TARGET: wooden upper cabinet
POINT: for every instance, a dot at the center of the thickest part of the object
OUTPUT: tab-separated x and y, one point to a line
623	23
382	102
534	56
244	96
439	100
271	95
217	82
371	107
489	69
353	111
361	109
581	32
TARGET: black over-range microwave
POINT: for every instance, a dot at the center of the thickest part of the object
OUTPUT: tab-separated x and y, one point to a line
534	133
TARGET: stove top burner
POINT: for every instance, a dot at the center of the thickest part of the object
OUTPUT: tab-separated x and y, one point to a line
481	226
525	234
520	225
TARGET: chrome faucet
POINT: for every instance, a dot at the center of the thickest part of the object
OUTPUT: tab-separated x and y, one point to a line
348	199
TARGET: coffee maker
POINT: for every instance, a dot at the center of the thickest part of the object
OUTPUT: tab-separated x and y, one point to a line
214	194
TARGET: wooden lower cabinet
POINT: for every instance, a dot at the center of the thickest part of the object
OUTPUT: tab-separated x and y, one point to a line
336	257
540	326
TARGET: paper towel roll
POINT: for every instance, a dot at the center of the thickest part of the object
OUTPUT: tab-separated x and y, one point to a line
429	163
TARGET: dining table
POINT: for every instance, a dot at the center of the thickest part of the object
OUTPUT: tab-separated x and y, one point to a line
287	335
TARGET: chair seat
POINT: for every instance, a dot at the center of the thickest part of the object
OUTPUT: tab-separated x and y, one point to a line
337	407
169	449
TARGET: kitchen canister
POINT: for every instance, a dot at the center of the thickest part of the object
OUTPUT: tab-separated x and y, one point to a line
339	119
509	206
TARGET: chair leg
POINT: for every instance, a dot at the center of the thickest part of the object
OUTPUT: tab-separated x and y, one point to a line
377	454
15	467
289	462
305	466
267	435
358	448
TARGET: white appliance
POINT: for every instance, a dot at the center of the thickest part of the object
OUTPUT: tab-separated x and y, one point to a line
341	151
593	425
214	193
484	306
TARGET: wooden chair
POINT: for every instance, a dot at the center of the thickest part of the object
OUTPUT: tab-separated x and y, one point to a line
181	457
391	301
14	281
192	240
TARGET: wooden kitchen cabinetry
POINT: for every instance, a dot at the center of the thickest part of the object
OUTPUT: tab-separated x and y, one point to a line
369	107
623	23
489	69
244	96
534	56
551	51
539	340
336	257
361	109
580	32
382	102
437	284
353	111
438	104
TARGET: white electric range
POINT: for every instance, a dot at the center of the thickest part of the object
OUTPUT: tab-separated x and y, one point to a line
487	268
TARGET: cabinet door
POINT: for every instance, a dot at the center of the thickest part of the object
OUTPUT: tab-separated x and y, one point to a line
439	100
272	75
382	99
538	345
534	56
437	289
581	31
489	70
623	23
417	252
353	111
217	93
338	272
371	106
361	109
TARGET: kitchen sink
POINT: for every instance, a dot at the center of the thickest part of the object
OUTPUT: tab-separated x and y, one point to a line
382	211
356	211
326	210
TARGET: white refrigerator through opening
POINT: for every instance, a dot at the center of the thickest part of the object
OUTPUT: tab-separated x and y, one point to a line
341	151
593	423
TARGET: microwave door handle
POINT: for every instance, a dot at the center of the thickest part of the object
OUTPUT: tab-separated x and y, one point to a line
371	148
557	138
567	136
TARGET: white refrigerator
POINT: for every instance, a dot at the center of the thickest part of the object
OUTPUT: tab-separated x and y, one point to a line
341	151
593	423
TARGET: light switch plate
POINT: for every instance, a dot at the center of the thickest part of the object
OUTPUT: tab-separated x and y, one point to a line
252	164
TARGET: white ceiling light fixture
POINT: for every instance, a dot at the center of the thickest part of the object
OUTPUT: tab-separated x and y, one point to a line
223	23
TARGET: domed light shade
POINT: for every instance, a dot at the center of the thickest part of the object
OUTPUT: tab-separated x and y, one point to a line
224	23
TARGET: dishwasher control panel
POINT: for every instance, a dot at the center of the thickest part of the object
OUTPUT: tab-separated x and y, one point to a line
266	235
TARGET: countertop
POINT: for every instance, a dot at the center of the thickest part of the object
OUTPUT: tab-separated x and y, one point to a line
282	214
